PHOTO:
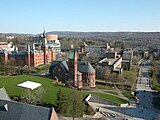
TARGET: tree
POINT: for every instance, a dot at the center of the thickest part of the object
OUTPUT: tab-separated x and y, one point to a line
39	93
30	98
106	73
61	104
1	61
119	77
113	77
35	96
136	59
103	72
90	110
76	107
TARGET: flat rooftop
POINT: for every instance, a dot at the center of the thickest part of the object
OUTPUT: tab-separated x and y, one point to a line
111	61
29	85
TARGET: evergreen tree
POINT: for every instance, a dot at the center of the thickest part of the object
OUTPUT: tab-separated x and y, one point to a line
77	106
61	105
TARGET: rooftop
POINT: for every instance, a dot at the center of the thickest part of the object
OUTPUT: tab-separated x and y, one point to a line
4	95
110	61
29	85
11	110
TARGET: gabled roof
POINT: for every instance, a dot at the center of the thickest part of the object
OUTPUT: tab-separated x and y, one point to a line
82	66
4	95
62	63
21	111
85	67
65	65
53	65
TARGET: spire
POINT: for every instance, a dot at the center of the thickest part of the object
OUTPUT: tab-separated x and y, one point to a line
33	46
44	33
45	41
44	38
28	48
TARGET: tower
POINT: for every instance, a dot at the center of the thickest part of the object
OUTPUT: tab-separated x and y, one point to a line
33	56
45	47
28	55
73	67
44	33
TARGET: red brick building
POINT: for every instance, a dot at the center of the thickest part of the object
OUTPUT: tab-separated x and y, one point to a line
31	57
73	72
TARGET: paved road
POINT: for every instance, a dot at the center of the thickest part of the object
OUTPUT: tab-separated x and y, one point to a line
107	110
143	109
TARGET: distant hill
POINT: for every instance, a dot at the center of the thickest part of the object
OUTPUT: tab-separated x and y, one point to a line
109	36
148	39
105	34
94	34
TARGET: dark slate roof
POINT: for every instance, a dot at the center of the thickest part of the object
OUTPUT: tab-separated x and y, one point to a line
85	67
21	111
4	95
65	65
19	54
53	65
62	63
82	66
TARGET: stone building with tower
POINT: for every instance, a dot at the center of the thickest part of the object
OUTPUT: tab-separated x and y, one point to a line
73	72
33	55
51	41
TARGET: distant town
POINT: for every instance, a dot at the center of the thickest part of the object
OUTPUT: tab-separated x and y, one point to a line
80	75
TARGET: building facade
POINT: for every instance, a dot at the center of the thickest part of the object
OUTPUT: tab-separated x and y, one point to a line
32	56
51	40
127	56
73	72
114	63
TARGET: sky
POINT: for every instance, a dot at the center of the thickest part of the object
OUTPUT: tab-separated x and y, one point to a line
33	16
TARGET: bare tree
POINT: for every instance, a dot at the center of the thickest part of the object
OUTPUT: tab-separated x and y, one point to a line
35	96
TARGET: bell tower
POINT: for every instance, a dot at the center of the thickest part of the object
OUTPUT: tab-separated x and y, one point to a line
45	47
72	66
28	55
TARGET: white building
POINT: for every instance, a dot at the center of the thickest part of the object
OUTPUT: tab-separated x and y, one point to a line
52	41
8	46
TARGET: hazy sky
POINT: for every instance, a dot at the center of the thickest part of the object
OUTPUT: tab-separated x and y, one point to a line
32	16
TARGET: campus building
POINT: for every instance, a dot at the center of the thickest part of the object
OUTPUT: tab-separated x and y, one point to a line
8	46
73	72
12	110
32	56
127	57
112	61
51	40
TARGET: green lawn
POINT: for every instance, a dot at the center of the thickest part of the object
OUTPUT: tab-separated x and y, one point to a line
110	98
43	67
111	92
10	82
103	87
157	87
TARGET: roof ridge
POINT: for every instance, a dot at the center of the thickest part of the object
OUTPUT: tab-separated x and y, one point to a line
26	104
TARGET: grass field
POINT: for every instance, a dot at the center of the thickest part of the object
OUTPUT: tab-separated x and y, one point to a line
10	82
104	87
111	92
111	98
157	87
